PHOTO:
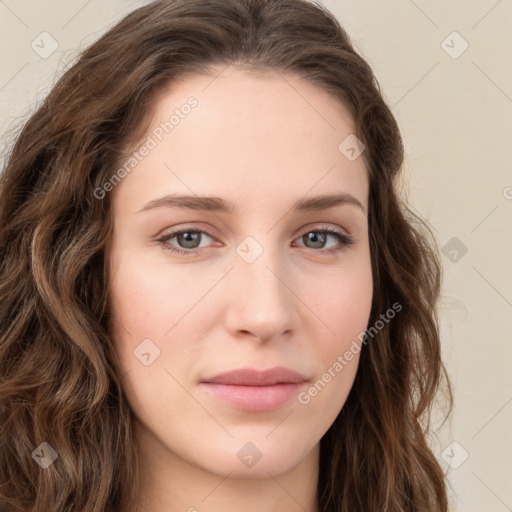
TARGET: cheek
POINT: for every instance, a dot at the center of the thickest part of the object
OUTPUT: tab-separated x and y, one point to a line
342	301
346	315
141	313
149	299
147	306
157	311
344	308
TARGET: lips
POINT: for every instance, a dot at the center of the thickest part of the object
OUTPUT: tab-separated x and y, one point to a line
255	390
254	377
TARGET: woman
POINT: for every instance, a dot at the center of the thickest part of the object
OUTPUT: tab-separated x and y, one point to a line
212	295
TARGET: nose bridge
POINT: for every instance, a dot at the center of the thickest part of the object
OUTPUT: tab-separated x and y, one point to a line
261	276
261	303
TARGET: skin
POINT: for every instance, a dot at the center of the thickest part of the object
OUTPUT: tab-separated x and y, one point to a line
261	142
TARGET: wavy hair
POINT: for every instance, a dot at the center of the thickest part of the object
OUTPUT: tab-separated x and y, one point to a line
60	380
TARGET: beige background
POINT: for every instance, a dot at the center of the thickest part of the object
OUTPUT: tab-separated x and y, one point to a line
455	112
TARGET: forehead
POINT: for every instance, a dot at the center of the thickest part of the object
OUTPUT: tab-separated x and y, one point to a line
247	131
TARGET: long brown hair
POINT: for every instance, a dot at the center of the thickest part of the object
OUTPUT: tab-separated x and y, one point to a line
60	380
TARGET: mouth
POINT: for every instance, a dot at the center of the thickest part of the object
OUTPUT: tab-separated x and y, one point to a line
253	390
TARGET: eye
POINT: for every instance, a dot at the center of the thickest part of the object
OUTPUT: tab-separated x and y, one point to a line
190	239
318	242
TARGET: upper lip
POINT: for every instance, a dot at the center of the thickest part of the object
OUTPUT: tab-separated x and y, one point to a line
255	377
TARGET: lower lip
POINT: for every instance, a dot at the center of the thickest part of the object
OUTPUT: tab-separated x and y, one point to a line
255	398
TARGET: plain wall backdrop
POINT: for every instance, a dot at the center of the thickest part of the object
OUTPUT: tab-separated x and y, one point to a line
445	70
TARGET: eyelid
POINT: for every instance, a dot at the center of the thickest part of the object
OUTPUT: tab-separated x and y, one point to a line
301	232
321	227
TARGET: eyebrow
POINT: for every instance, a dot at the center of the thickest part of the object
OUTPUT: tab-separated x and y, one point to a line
218	204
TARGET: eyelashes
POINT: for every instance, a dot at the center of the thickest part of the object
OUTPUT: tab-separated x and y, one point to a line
344	240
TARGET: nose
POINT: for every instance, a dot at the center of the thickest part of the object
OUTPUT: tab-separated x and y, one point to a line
261	303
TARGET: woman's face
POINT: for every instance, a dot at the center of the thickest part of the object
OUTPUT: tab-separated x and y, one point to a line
256	285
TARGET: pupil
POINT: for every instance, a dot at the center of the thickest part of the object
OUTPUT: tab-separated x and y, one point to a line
319	240
190	236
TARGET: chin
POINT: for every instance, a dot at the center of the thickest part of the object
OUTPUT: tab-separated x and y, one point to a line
252	460
274	466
